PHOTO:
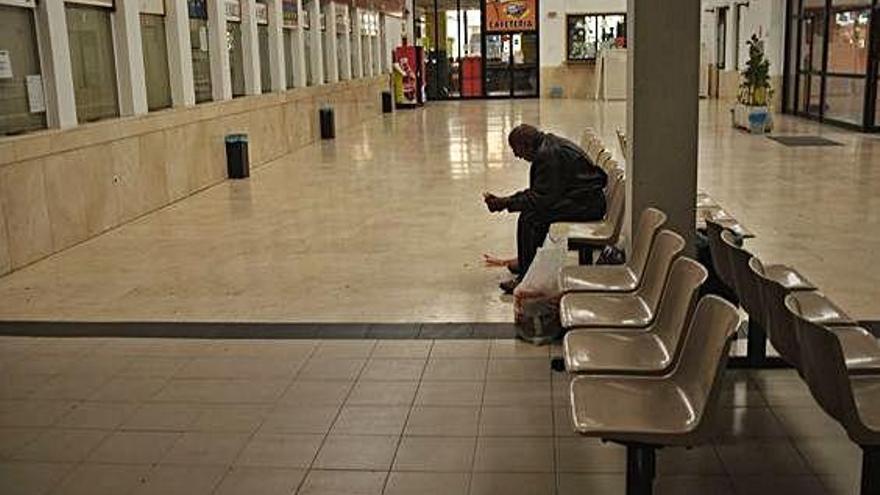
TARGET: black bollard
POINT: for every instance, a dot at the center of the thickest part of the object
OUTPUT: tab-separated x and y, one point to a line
237	164
328	123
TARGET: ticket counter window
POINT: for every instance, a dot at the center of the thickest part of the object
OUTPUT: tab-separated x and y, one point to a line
22	106
201	58
92	62
155	61
236	58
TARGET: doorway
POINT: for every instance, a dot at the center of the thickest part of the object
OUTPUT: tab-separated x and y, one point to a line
511	64
464	61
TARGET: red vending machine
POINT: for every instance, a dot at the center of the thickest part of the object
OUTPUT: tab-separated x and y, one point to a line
409	76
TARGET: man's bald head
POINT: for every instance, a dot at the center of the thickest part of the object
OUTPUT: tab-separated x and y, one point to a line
524	139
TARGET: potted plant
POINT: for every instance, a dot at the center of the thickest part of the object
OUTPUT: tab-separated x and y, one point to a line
752	108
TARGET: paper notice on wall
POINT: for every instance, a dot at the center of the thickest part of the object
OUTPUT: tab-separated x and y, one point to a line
203	39
36	98
5	65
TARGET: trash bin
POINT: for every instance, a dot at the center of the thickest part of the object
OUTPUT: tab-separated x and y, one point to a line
237	165
328	123
387	106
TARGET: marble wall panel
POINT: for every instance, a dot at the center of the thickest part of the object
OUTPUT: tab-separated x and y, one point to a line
5	259
102	206
65	195
23	194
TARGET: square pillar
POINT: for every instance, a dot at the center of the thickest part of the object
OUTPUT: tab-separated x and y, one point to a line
55	61
221	79
179	53
662	111
250	47
345	41
278	70
298	49
129	59
357	47
377	53
317	45
330	52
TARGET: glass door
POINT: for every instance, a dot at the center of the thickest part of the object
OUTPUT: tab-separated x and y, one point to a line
846	75
524	64
512	64
811	61
498	57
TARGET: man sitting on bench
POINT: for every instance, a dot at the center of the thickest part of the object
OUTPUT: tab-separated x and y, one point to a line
564	186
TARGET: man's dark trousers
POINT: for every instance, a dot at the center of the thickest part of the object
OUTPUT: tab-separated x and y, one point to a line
532	228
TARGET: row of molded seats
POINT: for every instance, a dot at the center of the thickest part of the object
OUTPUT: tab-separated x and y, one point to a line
645	351
585	237
762	291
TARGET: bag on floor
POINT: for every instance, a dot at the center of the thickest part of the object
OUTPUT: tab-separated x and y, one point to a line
536	298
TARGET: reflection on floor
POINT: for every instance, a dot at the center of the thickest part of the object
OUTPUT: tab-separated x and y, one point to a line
196	417
386	224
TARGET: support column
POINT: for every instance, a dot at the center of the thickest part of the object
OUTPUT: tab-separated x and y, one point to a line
250	48
345	40
179	53
55	61
357	46
278	69
385	50
368	48
221	79
130	59
299	58
662	111
330	51
317	45
377	48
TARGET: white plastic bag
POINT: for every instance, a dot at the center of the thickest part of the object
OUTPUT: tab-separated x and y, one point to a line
542	279
536	298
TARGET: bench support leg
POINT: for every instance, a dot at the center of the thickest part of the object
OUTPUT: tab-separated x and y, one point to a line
756	345
640	464
585	256
870	470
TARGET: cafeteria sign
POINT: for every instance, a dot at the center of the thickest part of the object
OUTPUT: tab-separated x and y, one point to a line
510	15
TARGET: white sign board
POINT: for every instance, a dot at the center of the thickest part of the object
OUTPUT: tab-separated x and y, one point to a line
36	98
5	65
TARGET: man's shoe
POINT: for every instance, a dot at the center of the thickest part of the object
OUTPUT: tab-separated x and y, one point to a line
508	285
514	268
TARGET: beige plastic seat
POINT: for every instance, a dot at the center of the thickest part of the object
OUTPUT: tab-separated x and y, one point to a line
861	351
621	141
852	400
652	351
778	321
629	309
676	409
617	278
720	255
602	159
594	148
784	275
586	236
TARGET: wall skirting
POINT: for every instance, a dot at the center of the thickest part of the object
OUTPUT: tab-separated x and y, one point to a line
61	187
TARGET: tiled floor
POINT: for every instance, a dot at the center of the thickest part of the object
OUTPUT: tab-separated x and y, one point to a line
385	224
143	416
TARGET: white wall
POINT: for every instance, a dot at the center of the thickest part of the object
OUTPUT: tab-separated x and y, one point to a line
393	36
763	17
553	29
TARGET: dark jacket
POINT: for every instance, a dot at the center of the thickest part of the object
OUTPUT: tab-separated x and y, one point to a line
563	183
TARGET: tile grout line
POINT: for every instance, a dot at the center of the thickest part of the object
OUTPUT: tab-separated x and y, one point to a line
406	420
308	470
256	430
470	483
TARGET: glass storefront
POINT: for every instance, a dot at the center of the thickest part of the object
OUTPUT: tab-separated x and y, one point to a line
466	59
831	66
20	77
155	61
307	46
90	33
236	57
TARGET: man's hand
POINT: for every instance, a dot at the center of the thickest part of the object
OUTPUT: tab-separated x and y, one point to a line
494	203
